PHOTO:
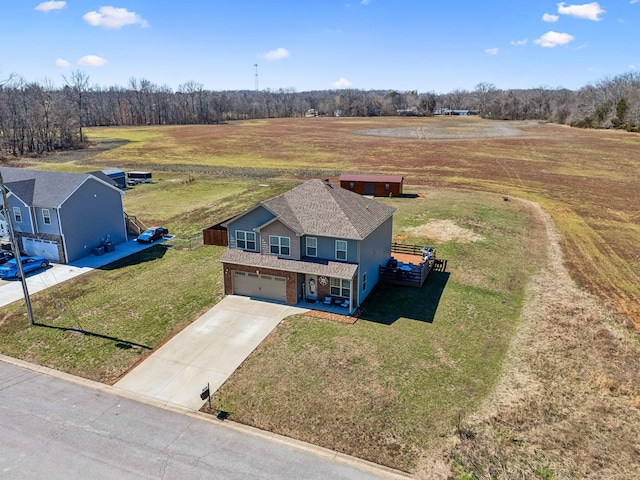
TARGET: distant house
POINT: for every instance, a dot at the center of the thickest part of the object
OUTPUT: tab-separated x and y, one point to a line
315	243
63	216
373	185
448	111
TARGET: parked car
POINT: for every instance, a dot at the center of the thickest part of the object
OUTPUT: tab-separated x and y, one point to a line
152	234
5	256
29	264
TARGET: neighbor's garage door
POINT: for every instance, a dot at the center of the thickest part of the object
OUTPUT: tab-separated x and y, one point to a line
43	248
260	286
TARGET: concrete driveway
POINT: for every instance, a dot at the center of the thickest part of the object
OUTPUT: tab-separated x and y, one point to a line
207	351
11	290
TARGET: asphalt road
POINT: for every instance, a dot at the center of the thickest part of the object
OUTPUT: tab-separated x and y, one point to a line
56	429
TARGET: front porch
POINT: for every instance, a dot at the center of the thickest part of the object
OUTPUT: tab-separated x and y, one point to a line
334	306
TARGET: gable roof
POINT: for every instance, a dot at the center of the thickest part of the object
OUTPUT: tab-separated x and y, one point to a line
319	208
353	177
42	188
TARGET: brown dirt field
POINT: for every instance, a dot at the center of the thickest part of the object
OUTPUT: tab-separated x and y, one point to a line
585	179
568	403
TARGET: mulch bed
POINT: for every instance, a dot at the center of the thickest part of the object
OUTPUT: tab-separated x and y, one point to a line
350	319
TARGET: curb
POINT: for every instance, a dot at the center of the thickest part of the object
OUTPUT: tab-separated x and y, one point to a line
364	465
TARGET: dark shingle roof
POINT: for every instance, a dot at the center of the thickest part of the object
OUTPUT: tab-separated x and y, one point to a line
254	259
41	188
318	208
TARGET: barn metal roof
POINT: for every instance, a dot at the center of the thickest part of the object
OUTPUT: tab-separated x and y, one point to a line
353	177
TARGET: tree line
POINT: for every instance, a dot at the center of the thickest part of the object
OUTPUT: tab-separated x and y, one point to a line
37	118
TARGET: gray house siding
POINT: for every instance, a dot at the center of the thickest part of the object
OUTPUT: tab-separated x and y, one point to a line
375	250
247	222
327	248
91	215
279	229
51	229
25	225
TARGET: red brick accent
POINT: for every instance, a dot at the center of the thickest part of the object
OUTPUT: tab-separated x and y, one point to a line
229	268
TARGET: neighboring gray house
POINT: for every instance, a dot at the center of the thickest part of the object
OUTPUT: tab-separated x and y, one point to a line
62	216
314	241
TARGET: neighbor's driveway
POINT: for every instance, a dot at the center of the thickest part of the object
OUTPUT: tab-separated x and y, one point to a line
207	351
11	290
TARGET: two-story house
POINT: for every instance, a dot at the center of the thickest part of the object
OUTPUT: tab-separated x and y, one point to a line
62	216
314	241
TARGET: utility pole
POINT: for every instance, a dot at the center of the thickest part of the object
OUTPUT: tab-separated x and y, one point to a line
256	66
16	249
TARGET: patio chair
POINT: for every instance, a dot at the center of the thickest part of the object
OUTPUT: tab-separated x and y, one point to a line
327	300
345	304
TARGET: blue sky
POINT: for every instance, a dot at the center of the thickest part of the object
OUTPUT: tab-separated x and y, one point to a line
423	45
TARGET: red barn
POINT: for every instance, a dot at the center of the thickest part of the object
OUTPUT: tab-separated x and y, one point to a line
375	185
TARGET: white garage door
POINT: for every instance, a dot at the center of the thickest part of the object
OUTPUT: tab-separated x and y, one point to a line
260	286
43	248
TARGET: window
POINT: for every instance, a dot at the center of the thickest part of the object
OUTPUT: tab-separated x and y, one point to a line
341	250
312	247
246	240
17	214
279	245
46	216
386	186
364	281
340	288
351	185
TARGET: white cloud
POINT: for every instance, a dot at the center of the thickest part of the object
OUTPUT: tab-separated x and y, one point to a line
547	17
365	2
342	83
553	39
92	61
519	43
277	54
62	63
588	11
491	51
52	5
634	1
113	18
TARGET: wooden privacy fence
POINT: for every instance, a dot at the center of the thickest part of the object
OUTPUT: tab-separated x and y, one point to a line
215	235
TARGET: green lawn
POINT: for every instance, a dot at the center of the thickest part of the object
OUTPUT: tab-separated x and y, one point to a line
392	385
130	307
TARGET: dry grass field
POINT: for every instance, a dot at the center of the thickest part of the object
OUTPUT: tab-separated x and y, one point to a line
585	179
567	402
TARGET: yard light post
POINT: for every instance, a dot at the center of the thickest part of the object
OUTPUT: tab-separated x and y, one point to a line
16	249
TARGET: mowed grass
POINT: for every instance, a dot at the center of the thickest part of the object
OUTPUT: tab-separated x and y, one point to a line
102	323
392	385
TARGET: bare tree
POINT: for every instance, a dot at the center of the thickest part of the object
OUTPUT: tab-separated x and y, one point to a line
78	85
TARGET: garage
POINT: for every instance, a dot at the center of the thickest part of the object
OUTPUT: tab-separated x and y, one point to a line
260	286
42	248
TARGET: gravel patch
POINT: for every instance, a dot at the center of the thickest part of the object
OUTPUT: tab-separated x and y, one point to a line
451	130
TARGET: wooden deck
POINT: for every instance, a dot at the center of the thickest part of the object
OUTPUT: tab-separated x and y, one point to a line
410	269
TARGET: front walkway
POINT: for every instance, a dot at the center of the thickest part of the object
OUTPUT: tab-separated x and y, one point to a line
207	351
